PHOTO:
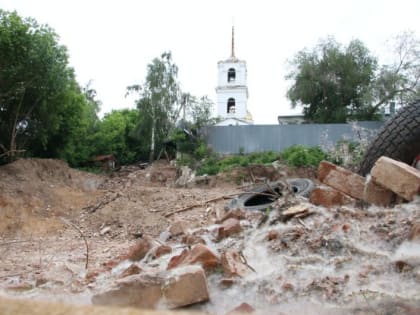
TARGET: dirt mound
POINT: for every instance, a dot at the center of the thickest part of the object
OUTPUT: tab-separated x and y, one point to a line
34	192
41	171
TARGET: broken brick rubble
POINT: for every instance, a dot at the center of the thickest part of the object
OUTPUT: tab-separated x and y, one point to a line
399	177
341	179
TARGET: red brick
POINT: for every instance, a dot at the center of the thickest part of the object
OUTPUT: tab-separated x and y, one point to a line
185	286
341	179
132	270
328	197
233	265
168	289
244	308
163	250
377	195
229	227
199	254
399	177
140	249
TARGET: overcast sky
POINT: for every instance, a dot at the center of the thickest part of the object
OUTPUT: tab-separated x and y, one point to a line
111	42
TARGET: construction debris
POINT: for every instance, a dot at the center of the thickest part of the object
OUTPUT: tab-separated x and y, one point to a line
398	177
168	289
161	247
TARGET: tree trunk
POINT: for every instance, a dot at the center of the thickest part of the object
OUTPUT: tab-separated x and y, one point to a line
152	141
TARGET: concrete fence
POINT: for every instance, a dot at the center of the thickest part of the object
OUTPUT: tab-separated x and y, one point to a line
258	138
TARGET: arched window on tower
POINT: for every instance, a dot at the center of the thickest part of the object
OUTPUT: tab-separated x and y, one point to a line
231	75
231	106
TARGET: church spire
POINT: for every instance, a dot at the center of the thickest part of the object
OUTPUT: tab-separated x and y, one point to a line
233	42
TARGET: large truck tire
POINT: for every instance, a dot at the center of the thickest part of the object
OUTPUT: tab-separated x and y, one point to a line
399	138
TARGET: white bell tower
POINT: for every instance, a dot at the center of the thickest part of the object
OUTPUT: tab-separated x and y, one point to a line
232	90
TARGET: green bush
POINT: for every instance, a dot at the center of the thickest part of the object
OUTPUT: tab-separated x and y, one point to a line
299	155
215	164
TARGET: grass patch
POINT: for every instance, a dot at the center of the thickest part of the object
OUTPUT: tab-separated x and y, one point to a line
299	155
214	164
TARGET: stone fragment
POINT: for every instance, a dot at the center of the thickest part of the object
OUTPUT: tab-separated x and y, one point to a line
272	235
198	254
399	177
168	289
105	230
377	195
328	197
187	176
414	234
185	287
341	179
238	214
233	265
163	250
20	287
243	308
229	227
177	228
227	282
40	281
191	239
132	270
140	249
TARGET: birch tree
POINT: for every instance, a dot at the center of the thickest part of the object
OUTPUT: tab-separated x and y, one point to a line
159	100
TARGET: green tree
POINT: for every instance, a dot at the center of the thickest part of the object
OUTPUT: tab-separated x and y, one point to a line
158	100
399	82
80	124
115	135
198	111
39	97
332	82
190	132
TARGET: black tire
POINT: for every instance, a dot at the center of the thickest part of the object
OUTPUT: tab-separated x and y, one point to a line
398	139
253	200
301	186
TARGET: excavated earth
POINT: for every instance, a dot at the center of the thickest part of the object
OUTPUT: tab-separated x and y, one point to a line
63	233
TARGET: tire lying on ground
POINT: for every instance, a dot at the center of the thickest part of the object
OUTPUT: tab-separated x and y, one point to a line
399	138
262	197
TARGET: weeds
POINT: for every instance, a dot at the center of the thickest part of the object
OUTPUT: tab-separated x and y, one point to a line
299	155
348	153
215	164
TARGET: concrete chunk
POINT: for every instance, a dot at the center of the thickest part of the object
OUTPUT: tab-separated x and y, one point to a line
399	177
341	179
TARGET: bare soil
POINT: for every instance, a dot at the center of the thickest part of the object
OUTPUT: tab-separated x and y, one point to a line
48	212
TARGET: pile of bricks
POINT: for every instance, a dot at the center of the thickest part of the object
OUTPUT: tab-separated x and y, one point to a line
389	181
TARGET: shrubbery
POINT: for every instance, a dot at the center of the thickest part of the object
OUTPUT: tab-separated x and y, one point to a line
215	164
205	162
299	155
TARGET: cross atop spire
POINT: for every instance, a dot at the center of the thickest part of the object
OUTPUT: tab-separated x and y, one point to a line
233	42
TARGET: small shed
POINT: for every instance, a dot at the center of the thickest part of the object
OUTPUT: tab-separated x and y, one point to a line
107	162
